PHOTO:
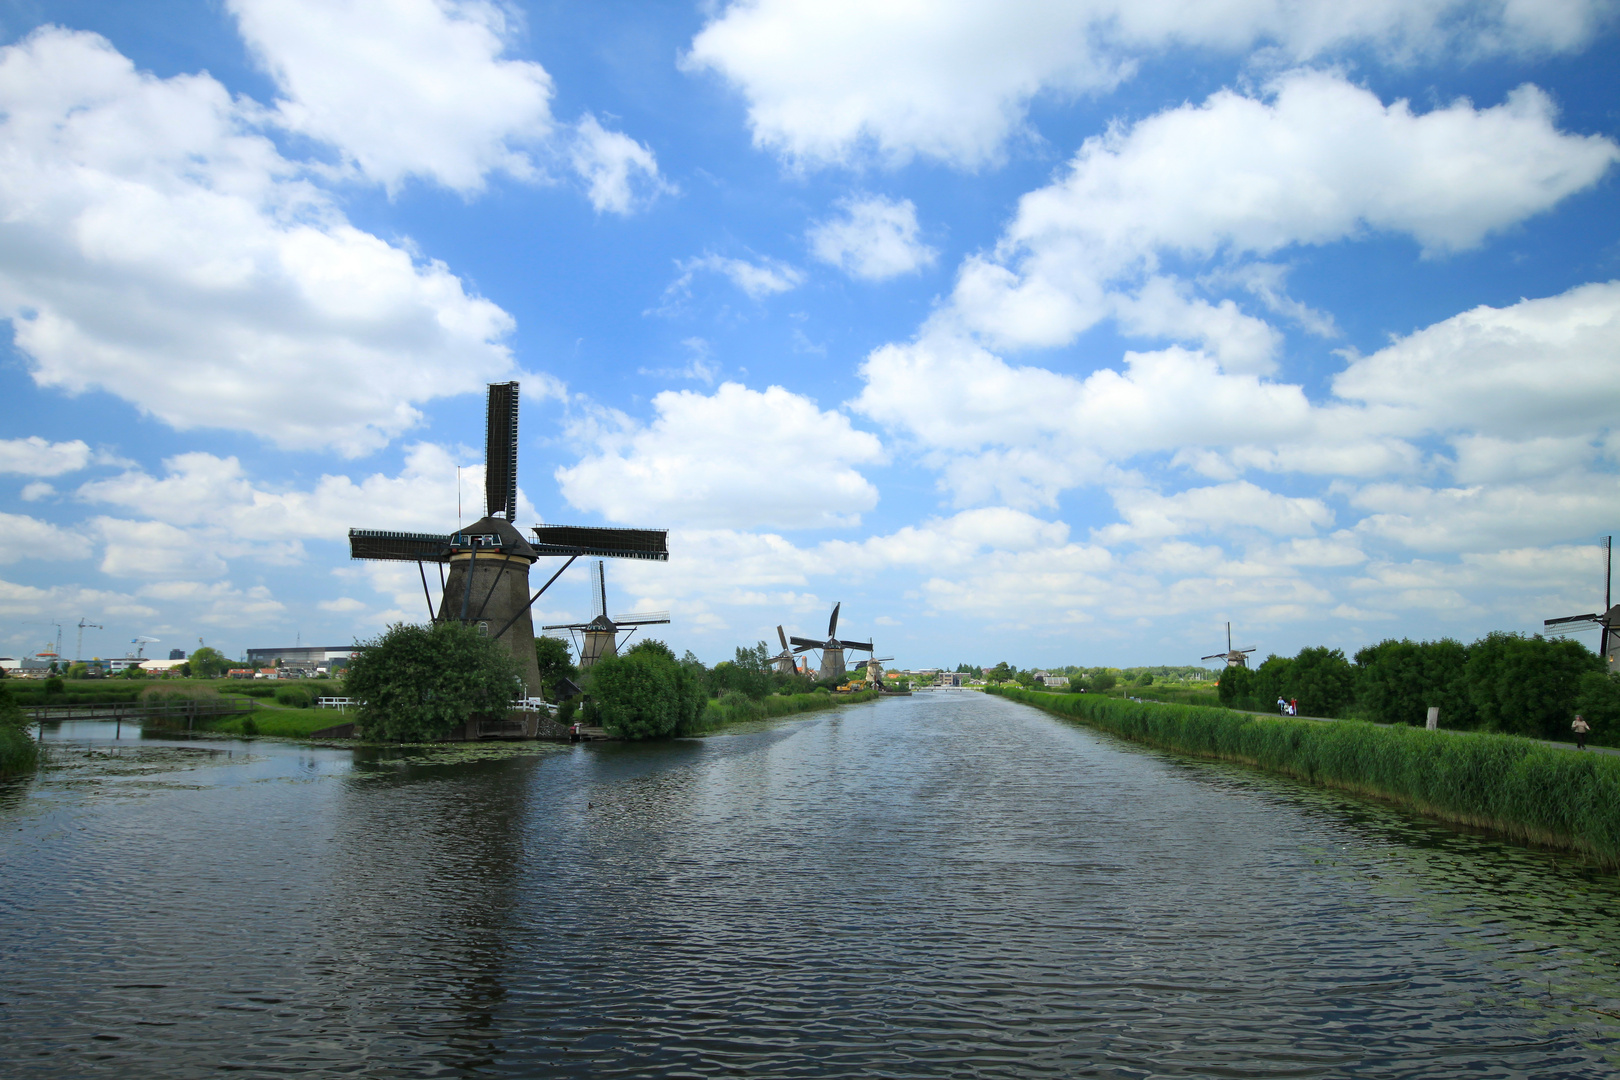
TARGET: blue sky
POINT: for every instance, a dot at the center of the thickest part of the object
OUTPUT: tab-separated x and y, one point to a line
1062	334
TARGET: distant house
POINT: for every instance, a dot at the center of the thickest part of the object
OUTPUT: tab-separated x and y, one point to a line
1050	681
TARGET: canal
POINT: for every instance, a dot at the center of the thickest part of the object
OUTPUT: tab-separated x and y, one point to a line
945	885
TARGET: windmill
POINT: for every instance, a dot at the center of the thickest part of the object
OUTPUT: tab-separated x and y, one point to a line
832	650
786	661
1608	636
602	633
874	669
1233	657
489	560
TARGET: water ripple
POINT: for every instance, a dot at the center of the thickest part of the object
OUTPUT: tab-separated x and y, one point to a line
941	886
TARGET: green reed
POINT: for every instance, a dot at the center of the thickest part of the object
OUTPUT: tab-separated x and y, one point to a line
1548	795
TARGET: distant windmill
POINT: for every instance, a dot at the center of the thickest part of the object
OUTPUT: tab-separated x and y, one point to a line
785	661
602	633
874	668
1608	636
832	650
489	560
1233	657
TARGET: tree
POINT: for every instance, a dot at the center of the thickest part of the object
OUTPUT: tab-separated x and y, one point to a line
1236	687
1527	686
419	683
645	693
1002	672
1398	681
556	664
208	663
1271	680
1598	700
1145	679
1322	681
1103	682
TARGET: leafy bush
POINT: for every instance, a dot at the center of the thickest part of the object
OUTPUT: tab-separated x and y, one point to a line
1104	682
645	693
1527	685
422	682
1398	681
250	726
18	753
1598	700
295	697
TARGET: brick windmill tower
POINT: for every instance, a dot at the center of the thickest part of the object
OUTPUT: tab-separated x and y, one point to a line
488	561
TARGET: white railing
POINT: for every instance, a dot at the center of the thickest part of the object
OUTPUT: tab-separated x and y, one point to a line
333	702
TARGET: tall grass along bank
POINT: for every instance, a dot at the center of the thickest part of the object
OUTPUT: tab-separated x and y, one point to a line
734	708
1544	794
18	752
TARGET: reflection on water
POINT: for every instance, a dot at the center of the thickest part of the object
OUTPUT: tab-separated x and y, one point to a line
941	885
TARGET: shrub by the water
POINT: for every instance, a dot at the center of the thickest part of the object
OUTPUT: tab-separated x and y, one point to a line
421	682
18	752
1550	795
645	693
250	726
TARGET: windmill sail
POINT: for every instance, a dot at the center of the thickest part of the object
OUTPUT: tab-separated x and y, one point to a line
500	451
602	542
398	546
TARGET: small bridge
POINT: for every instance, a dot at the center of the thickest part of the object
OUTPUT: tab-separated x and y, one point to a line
173	713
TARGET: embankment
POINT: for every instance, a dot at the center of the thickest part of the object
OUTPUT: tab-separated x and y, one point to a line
736	708
1547	795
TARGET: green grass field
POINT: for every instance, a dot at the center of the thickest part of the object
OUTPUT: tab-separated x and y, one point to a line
1544	794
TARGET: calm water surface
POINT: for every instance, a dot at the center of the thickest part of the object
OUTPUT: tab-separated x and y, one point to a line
946	885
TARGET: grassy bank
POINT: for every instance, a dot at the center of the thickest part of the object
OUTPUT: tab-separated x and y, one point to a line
283	723
736	708
1511	785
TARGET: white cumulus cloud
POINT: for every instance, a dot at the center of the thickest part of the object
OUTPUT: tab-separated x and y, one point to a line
737	458
152	242
843	81
1315	160
403	87
874	239
35	456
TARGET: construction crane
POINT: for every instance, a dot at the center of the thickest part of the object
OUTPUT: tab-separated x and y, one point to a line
78	650
141	643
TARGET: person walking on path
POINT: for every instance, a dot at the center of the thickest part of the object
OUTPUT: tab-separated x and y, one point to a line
1580	727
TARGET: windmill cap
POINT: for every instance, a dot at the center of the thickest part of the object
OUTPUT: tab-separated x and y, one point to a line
512	542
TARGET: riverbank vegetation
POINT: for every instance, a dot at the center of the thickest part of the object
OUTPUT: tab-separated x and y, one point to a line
419	683
1506	683
1511	785
18	752
646	693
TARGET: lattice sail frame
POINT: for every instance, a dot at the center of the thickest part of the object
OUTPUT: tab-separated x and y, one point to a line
501	451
